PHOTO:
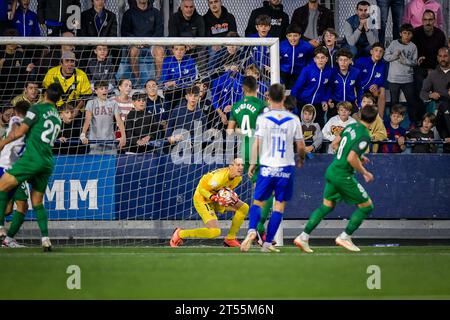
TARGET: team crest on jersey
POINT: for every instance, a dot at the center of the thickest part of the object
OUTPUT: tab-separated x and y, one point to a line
30	115
352	82
378	75
325	81
214	183
362	145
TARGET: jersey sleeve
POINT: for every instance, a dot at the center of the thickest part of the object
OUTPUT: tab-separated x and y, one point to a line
360	146
32	116
259	127
208	187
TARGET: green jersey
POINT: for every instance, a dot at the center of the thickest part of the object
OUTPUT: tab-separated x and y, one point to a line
45	125
244	113
355	137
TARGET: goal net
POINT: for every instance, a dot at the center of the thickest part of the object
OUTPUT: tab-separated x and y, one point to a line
173	97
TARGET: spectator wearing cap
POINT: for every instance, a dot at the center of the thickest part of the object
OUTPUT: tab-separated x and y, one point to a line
279	20
139	126
313	19
74	82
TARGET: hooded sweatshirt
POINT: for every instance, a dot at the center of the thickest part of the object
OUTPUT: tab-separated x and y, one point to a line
180	27
279	22
219	27
311	131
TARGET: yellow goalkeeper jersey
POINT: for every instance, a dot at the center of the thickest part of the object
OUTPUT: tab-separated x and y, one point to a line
74	87
212	182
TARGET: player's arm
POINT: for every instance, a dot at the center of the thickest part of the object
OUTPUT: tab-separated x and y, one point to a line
355	162
254	155
335	143
123	136
17	132
301	149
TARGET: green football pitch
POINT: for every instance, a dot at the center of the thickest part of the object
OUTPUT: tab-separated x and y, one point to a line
420	272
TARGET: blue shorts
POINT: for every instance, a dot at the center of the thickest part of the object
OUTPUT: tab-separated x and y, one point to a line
278	180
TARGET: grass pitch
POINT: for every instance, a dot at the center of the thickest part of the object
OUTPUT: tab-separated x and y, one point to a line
225	273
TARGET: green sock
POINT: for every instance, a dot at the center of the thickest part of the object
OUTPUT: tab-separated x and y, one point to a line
357	218
16	223
3	204
265	214
316	217
42	219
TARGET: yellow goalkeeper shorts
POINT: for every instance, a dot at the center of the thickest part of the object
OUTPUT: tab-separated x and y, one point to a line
207	211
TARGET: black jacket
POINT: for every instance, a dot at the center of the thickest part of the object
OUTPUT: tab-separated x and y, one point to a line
89	29
55	10
139	23
280	20
324	21
219	27
138	125
443	122
180	27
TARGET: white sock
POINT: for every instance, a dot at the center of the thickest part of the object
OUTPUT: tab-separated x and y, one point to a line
8	239
45	238
304	236
344	235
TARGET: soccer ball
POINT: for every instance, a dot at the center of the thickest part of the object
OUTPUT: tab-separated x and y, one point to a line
229	195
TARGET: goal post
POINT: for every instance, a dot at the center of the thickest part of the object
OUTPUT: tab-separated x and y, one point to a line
130	198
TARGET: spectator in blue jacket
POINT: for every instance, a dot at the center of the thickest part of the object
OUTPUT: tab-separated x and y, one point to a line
373	75
345	83
261	54
313	85
25	21
179	71
295	54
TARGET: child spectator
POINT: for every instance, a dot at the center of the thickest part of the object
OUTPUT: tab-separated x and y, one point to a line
70	128
336	125
312	87
210	115
226	58
123	99
139	126
424	133
329	40
345	82
100	115
402	57
311	130
101	68
156	106
394	131
373	75
253	71
261	54
376	129
443	120
295	54
179	72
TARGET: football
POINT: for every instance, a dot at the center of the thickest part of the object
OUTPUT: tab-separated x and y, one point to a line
229	195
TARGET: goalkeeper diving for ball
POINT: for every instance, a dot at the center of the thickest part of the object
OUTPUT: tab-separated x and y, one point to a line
208	201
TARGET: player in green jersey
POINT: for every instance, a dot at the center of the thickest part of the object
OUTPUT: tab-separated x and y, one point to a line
341	183
41	126
243	115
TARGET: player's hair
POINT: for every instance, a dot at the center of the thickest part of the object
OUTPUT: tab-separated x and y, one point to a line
250	84
290	103
308	108
276	92
344	52
406	27
321	50
100	84
293	28
362	3
263	20
377	45
346	105
192	90
369	113
431	117
369	95
398	108
429	11
22	107
54	92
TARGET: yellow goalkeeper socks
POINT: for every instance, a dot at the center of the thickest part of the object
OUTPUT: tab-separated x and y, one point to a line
237	221
208	233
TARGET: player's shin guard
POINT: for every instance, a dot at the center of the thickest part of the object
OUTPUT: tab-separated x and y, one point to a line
254	216
237	221
3	204
265	214
17	220
206	233
274	223
42	219
316	217
357	218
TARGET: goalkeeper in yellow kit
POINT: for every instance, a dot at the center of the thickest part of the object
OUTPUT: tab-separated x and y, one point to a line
208	202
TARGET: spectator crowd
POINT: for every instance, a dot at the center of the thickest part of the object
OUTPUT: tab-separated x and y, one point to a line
137	98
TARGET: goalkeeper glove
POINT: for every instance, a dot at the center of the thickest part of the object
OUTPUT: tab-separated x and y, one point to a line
221	201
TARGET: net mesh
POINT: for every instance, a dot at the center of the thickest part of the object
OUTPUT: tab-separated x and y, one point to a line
174	103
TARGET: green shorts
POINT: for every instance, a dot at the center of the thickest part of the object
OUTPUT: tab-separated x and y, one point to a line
345	188
34	172
21	193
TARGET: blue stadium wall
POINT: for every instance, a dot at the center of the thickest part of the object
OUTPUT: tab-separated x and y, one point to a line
148	187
